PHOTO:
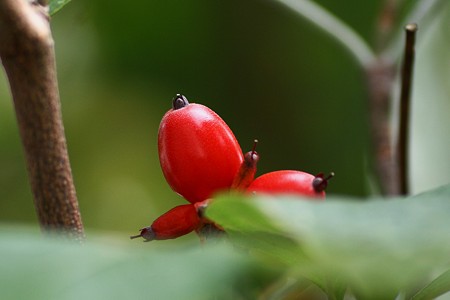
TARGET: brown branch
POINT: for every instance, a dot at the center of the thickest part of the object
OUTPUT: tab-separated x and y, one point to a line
386	21
27	55
380	77
405	101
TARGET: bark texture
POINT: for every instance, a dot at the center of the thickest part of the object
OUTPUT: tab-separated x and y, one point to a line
27	55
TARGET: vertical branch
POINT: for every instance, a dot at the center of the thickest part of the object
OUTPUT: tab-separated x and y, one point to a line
380	76
27	55
390	163
386	22
405	101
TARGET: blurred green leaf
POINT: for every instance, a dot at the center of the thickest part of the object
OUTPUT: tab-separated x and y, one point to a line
336	28
378	247
40	268
437	287
56	5
420	12
430	107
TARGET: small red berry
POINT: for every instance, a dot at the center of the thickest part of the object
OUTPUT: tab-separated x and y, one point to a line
178	221
198	152
247	170
291	182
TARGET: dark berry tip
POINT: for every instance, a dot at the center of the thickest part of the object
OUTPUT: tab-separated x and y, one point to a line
179	101
320	182
251	158
147	233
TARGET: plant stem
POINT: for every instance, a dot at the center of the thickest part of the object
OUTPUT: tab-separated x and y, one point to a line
405	103
379	78
419	14
27	55
386	22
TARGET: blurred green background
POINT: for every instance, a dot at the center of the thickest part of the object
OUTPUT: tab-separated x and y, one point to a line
267	72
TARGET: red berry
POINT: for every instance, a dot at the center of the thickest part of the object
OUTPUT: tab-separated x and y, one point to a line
198	152
178	221
290	182
247	170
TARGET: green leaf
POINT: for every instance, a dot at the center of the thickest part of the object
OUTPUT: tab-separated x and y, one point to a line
437	287
430	107
336	28
422	13
40	268
377	247
56	5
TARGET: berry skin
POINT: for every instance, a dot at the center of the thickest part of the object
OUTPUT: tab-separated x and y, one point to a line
291	182
198	152
178	221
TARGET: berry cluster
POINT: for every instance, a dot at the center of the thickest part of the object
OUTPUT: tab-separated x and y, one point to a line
199	157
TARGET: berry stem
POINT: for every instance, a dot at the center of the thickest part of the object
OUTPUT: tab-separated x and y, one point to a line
330	176
405	103
255	142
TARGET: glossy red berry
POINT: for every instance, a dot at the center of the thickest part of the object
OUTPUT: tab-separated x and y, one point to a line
290	182
178	221
198	152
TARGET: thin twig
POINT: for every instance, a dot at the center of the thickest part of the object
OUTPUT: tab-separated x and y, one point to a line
27	55
422	11
405	102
